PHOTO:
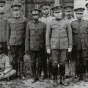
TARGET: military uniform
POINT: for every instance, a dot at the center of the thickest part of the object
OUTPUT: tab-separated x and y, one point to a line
6	69
58	39
35	43
16	39
46	19
80	43
3	25
70	63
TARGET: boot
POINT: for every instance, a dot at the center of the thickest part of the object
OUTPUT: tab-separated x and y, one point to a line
62	73
55	72
18	68
55	81
21	71
33	79
41	80
62	81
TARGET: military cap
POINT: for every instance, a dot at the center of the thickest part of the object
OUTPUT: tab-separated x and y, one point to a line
45	4
2	1
35	9
16	4
68	6
79	10
86	4
57	5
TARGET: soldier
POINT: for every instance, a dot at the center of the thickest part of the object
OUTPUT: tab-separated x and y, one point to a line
85	17
45	18
58	42
35	42
6	69
70	64
3	25
80	41
46	13
16	37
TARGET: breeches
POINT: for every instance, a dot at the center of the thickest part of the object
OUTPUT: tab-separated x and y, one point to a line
58	56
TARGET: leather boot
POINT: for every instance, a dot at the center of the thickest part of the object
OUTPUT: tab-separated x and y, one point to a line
62	73
21	71
33	79
62	81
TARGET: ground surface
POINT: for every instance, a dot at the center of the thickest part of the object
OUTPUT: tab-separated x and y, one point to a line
27	84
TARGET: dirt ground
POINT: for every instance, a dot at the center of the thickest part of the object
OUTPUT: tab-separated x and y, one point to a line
46	84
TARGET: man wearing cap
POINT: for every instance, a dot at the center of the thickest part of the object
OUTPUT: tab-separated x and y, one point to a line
6	69
80	41
16	37
3	25
35	43
85	17
46	13
70	64
45	18
58	42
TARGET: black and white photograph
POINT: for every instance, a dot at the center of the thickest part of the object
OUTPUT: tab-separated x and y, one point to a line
43	43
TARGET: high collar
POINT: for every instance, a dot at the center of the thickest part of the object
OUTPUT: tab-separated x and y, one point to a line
46	16
68	19
35	21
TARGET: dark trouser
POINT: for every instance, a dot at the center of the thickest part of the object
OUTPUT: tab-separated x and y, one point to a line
44	63
18	53
3	47
58	56
81	56
37	58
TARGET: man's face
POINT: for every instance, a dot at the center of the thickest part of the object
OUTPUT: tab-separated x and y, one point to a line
16	11
35	15
58	14
68	12
46	10
79	16
2	8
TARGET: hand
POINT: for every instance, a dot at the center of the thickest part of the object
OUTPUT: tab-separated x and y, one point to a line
69	49
48	51
8	47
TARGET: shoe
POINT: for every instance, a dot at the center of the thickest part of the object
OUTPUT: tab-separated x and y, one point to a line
81	77
55	83
22	77
62	82
33	80
41	80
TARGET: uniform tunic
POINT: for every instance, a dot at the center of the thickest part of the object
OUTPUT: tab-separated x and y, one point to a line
46	19
35	43
58	39
16	28
3	28
80	43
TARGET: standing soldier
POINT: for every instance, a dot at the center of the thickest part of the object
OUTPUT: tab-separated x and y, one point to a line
80	41
86	15
46	13
3	25
70	64
58	42
35	42
45	18
16	37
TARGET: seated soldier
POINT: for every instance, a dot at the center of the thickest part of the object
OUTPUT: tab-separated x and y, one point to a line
6	70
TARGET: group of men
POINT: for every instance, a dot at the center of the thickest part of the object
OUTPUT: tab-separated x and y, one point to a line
63	41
